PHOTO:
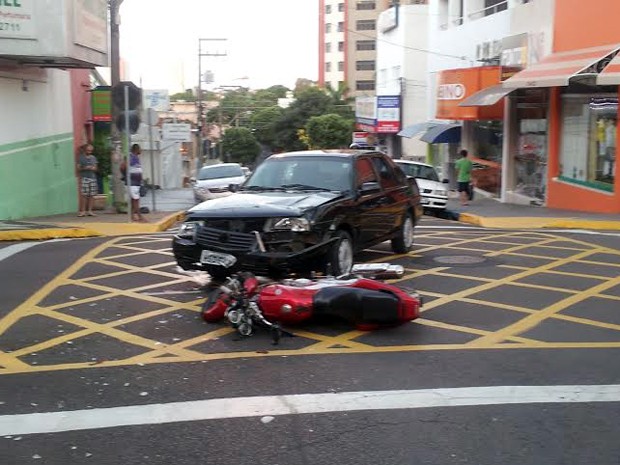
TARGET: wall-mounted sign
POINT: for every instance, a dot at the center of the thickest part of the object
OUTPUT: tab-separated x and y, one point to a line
514	56
388	20
388	113
101	104
180	132
91	26
456	91
17	19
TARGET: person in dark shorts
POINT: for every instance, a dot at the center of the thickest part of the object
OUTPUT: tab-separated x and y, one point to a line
87	172
463	168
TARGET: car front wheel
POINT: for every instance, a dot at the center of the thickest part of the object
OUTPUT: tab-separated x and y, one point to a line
340	256
403	241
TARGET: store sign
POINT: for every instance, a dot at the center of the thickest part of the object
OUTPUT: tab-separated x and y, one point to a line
180	132
360	137
514	56
451	92
388	20
17	19
101	103
91	26
388	113
366	113
158	100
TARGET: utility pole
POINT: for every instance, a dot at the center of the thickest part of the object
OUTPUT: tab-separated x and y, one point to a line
212	48
118	189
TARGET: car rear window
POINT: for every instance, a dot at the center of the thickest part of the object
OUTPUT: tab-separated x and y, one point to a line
217	172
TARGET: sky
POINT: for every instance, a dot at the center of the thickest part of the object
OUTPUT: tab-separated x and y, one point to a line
269	42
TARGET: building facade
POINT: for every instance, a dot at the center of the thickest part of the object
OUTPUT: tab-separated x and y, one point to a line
44	88
348	44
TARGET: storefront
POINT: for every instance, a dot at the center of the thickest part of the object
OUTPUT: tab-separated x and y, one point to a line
482	126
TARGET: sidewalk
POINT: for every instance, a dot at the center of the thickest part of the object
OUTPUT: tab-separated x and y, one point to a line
170	204
490	213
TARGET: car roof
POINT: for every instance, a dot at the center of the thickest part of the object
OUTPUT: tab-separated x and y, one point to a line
221	164
411	162
344	153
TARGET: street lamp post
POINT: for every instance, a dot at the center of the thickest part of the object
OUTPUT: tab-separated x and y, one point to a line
118	190
206	48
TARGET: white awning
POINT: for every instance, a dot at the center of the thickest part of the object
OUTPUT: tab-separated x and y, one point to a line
557	68
486	97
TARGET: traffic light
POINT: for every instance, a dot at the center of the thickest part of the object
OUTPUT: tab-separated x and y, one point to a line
134	102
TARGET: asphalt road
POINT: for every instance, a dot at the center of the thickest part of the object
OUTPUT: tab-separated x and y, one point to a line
103	360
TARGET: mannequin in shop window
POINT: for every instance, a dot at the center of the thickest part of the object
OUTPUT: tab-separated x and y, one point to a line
610	145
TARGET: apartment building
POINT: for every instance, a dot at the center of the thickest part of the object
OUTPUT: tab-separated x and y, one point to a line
348	44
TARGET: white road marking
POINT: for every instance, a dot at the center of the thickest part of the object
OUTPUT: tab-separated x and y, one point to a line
15	249
261	406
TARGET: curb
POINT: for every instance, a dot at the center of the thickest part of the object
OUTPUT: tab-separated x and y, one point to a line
536	222
64	231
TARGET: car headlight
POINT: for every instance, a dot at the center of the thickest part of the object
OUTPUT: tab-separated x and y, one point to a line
189	229
441	193
292	224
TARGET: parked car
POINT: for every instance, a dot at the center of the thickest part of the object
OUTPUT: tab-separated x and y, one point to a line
213	181
434	193
246	171
300	212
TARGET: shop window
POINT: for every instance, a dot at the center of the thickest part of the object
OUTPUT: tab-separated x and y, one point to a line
588	147
365	45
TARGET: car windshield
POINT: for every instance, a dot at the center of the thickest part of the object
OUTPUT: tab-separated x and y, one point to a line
218	172
303	173
419	171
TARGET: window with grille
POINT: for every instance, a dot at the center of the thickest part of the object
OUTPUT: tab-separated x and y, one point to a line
366	25
364	85
366	5
365	65
341	66
328	28
365	45
341	46
341	27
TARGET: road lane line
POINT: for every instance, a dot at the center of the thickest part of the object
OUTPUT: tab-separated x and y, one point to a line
248	407
15	249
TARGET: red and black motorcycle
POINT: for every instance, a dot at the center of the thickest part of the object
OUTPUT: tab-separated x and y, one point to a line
362	298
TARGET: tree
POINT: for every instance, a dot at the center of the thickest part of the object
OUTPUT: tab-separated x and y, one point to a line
264	123
329	131
240	146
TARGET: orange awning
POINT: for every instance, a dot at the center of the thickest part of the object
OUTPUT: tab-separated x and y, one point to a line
557	68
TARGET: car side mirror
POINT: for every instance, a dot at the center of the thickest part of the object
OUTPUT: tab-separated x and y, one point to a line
446	181
233	187
369	187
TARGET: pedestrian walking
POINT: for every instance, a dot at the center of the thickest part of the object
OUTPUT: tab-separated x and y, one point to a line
135	181
463	167
87	173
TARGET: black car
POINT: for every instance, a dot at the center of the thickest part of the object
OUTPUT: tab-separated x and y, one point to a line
301	212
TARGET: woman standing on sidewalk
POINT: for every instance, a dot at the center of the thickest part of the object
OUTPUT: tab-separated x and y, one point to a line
135	181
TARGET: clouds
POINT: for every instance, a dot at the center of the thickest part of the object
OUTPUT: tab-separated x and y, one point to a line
269	41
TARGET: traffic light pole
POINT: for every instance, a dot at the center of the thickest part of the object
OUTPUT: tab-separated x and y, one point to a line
127	160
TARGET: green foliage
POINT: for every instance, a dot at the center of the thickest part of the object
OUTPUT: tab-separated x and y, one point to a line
329	131
263	123
240	146
102	149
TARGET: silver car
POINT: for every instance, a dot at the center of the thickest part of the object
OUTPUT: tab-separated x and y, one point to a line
213	181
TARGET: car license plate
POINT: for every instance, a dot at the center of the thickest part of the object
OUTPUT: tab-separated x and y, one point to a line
209	257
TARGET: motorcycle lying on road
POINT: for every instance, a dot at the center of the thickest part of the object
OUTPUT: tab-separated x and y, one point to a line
361	298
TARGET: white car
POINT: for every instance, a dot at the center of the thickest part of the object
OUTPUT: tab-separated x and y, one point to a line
434	192
213	181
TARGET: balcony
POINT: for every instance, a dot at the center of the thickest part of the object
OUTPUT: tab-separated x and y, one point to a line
491	10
